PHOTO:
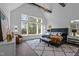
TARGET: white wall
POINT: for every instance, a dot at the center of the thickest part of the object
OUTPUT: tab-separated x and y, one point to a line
61	16
6	8
5	23
28	10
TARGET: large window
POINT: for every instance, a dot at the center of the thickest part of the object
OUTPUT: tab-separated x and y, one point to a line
31	25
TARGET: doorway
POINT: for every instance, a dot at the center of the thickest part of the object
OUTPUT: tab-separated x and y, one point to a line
1	36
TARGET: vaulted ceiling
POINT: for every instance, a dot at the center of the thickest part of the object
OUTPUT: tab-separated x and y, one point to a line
10	6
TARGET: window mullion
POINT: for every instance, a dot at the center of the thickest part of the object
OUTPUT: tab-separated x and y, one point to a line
27	28
37	25
27	24
37	29
41	28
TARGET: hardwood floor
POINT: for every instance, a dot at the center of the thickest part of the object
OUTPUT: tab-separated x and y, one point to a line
24	50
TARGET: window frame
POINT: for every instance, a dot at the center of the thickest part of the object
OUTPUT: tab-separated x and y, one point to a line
37	33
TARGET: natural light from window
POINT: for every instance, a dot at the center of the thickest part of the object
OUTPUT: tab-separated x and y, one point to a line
31	25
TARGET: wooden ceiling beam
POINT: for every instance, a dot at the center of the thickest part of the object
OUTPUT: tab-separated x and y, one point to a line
62	4
41	7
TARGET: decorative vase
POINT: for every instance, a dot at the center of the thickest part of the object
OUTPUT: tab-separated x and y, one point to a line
9	37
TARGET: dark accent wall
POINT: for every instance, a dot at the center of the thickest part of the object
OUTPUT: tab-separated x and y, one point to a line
1	36
64	30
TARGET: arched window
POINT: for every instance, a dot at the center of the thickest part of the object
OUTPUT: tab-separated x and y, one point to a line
31	25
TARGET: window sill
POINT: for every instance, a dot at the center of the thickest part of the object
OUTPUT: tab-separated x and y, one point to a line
30	34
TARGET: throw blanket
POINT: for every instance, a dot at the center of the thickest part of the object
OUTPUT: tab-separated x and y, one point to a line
56	39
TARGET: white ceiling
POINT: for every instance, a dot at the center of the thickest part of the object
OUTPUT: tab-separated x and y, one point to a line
10	6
